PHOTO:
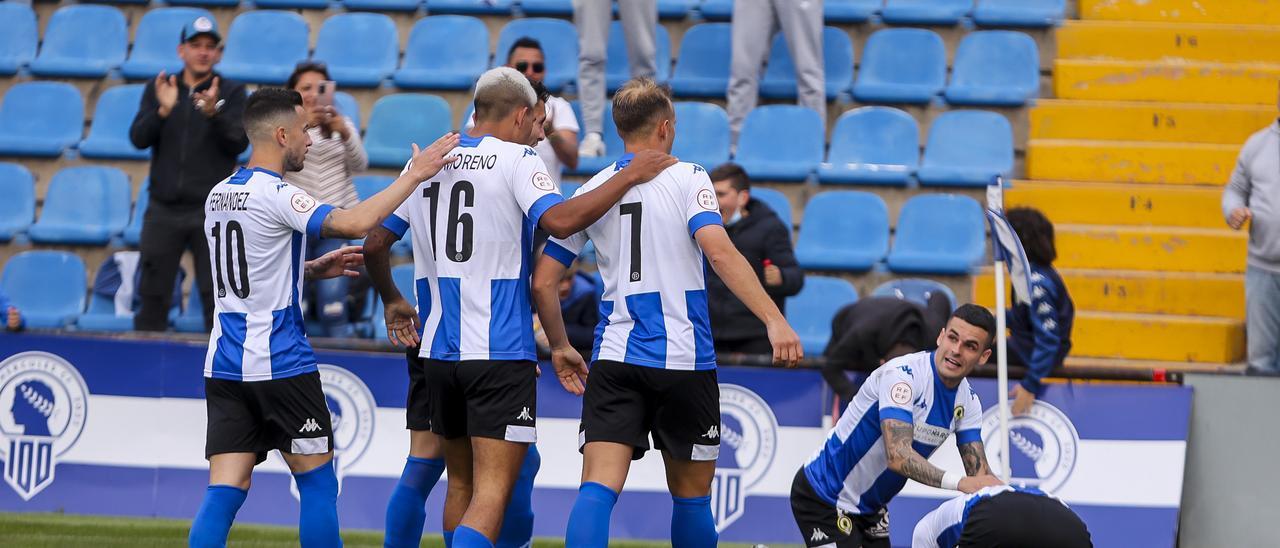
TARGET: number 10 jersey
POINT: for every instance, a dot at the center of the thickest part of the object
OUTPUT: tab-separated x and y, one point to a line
472	232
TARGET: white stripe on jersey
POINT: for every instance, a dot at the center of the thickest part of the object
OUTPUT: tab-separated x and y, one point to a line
469	224
851	470
654	309
256	226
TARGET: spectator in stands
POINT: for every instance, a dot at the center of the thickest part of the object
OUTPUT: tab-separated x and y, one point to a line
639	26
765	242
580	308
754	22
1039	332
192	122
874	330
560	144
13	316
1251	197
335	157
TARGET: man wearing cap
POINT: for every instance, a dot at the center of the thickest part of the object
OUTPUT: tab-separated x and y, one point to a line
192	123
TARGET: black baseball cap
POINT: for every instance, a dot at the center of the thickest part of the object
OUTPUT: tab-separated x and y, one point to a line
198	26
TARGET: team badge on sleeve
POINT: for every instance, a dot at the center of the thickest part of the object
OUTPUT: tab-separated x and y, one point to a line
900	393
302	203
542	181
707	200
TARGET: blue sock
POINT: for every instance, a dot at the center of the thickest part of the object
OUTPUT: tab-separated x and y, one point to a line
318	517
691	523
217	511
466	537
517	519
448	539
406	511
589	520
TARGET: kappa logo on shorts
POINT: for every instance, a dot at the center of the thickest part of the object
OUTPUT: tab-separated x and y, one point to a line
712	433
43	405
818	535
524	415
309	426
1043	443
748	436
351	413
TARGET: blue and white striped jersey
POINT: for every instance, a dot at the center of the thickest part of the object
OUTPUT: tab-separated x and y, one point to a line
942	527
472	239
257	228
851	470
654	309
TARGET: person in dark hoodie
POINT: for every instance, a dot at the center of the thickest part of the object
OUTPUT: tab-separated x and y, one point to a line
580	308
762	238
1039	332
192	122
874	330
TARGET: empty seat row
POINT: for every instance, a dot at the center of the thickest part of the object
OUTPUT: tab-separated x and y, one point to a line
84	205
1004	13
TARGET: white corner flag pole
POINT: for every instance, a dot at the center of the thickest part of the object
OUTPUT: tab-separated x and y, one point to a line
995	201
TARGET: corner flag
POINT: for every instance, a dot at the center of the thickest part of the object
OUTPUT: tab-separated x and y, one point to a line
1005	245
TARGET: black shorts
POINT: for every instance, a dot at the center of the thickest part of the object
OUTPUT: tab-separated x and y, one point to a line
483	398
822	524
417	411
288	414
1023	520
625	403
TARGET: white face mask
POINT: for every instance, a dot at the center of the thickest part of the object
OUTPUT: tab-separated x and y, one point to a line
737	216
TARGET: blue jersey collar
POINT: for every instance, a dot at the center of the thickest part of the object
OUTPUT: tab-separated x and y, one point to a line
467	141
623	161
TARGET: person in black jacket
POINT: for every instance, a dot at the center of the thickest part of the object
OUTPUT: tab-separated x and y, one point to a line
874	330
1039	332
192	122
765	242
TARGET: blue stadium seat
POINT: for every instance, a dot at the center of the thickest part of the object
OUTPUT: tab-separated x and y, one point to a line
18	36
155	42
779	80
132	235
617	68
47	286
214	3
466	116
995	67
82	41
702	68
872	145
472	7
810	312
547	7
925	12
192	319
263	46
849	11
400	119
702	134
466	39
916	290
843	230
368	185
676	9
559	41
777	201
402	276
382	5
85	205
361	49
939	234
40	119
18	208
717	10
967	148
109	135
291	4
613	147
1019	13
349	107
780	143
902	66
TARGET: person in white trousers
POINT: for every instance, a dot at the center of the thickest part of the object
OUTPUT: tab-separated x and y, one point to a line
754	22
592	17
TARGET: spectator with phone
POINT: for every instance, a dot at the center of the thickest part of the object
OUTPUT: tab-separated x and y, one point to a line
762	238
335	157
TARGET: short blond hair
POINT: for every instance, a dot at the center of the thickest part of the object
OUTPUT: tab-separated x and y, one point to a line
639	105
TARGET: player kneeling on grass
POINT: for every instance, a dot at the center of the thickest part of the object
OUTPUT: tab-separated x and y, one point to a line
654	368
261	382
1004	516
906	409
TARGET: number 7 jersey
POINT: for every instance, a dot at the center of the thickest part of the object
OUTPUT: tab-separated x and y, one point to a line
472	232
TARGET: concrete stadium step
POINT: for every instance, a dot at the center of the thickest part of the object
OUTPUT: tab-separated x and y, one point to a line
1169	249
1255	12
1191	82
1140	292
1127	40
1120	204
1157	337
1141	121
1130	162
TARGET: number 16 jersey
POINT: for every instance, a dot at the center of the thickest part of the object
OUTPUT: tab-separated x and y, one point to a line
472	232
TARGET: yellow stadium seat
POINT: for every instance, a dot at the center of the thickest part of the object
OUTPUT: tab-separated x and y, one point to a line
1247	12
1166	41
1151	248
1177	81
1130	162
1141	292
1157	337
1141	121
1122	204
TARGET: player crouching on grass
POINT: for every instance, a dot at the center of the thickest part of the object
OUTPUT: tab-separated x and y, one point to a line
262	387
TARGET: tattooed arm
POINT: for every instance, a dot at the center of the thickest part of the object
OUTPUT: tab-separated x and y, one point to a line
902	458
974	457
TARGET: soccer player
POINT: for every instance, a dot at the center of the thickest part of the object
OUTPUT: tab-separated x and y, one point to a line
472	235
261	383
654	367
1006	516
899	417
